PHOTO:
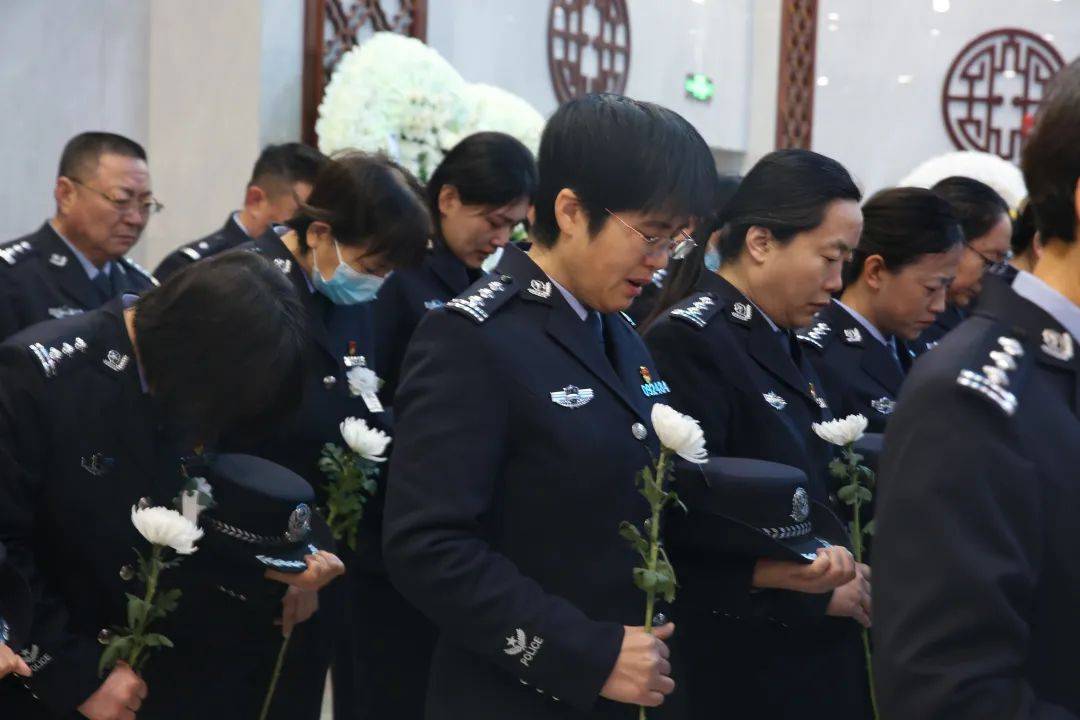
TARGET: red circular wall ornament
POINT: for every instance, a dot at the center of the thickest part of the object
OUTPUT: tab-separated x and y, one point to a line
993	89
588	47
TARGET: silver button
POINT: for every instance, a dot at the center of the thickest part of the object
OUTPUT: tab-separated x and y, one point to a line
329	381
104	636
126	573
640	433
145	502
659	619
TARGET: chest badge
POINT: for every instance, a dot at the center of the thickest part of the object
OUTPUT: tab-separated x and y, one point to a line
58	260
775	400
572	396
97	464
884	405
650	388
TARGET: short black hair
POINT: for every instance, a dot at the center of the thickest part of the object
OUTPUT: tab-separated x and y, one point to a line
222	344
1051	157
369	201
287	163
901	225
1024	229
80	156
977	205
621	154
487	168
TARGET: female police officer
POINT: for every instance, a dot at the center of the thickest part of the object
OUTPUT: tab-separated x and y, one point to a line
364	218
894	287
478	194
508	540
728	351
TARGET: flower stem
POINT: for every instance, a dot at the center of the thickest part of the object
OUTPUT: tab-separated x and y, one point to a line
654	547
139	631
274	678
857	541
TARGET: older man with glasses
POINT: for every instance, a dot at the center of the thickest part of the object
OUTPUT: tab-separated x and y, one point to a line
76	260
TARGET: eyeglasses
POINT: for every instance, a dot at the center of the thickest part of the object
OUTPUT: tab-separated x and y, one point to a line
146	206
989	262
676	247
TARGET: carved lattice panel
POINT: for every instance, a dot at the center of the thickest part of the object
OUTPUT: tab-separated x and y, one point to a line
333	27
993	89
588	47
795	102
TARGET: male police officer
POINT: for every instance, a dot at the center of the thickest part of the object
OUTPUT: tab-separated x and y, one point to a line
523	416
97	412
76	261
976	574
282	178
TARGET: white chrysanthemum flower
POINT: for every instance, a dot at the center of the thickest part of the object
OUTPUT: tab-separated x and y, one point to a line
988	168
841	432
679	433
367	442
165	527
494	109
362	381
388	90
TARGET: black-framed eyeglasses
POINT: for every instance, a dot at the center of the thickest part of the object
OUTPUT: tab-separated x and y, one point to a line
989	262
144	206
677	247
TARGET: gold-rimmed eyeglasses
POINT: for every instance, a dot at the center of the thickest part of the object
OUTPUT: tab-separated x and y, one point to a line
677	247
145	206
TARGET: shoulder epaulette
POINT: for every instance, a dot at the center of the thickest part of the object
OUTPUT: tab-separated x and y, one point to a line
205	247
52	355
1002	375
698	309
16	250
487	295
817	335
141	270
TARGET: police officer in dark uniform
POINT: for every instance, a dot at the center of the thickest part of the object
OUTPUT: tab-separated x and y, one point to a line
478	194
522	418
754	648
76	260
975	604
281	179
15	613
984	216
894	286
365	217
89	427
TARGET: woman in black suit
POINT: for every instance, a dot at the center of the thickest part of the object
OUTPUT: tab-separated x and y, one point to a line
762	637
894	288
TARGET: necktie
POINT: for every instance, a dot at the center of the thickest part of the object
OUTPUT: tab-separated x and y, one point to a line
104	283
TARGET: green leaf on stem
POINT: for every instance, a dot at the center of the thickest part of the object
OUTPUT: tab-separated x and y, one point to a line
838	469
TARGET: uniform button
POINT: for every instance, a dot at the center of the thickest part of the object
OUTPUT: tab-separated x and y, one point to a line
639	431
329	381
659	619
126	573
506	278
104	636
832	498
145	502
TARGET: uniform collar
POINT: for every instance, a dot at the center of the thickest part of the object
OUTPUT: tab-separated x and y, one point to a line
1056	305
867	325
92	271
235	219
572	301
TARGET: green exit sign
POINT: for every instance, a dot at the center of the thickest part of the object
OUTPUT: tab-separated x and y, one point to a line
699	87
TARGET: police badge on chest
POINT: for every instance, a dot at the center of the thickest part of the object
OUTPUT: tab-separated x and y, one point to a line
650	388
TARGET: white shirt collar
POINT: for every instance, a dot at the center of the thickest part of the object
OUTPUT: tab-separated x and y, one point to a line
571	300
92	270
